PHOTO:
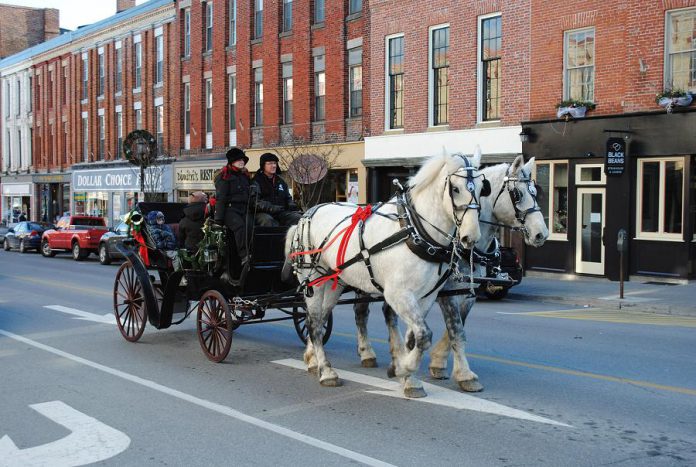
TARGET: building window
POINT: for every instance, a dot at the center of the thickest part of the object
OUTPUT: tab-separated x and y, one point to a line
29	96
18	98
64	85
681	50
355	82
319	88
138	119
119	134
258	96
287	93
579	65
233	102
187	33
159	64
258	19
552	177
660	198
51	88
7	99
354	6
396	82
159	127
287	15
208	106
490	46
208	27
440	75
38	96
101	75
19	145
187	109
319	11
102	137
85	138
85	77
138	64
233	22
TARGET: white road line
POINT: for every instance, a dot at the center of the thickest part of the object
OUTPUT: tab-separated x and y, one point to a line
436	395
219	408
106	319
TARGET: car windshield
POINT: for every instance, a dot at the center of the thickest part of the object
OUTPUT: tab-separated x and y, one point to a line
88	222
39	226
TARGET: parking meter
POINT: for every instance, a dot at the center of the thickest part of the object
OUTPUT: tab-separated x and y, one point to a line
622	241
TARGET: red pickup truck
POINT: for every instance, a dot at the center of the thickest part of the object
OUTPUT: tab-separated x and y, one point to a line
77	234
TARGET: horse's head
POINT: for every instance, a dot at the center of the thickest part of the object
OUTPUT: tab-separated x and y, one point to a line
515	203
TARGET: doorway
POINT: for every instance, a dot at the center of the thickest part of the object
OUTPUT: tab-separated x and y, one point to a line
589	248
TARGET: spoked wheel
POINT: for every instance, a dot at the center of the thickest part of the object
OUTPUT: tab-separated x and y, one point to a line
129	303
299	319
214	325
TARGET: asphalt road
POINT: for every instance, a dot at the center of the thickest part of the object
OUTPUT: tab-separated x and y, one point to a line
603	393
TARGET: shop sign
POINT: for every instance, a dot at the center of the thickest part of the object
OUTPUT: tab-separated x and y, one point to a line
157	179
196	175
56	178
615	162
16	189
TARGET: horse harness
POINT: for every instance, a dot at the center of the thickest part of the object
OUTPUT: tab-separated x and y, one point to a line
516	196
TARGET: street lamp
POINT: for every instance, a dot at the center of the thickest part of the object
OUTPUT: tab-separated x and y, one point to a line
524	135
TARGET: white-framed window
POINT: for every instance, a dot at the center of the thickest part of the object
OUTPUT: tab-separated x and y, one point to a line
354	6
187	109
489	66
552	178
209	106
102	137
138	119
590	174
7	98
233	22
29	94
258	19
319	88
660	198
395	81
319	11
355	82
680	50
578	64
258	96
208	44
159	63
51	88
187	32
287	93
159	127
101	75
119	70
233	101
137	64
85	137
18	98
85	77
439	75
287	15
119	134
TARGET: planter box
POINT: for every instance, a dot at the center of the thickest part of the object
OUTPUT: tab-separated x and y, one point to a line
670	102
575	112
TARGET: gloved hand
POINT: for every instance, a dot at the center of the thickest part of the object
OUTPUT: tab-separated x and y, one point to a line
275	209
254	190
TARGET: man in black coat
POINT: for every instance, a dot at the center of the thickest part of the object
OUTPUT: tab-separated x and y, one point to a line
232	188
275	206
191	226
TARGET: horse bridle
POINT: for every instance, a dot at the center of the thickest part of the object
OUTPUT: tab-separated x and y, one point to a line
516	195
467	170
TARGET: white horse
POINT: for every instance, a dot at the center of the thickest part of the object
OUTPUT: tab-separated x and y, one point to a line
443	202
512	204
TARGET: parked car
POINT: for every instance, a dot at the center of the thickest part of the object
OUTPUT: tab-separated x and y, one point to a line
77	234
506	263
25	236
3	230
107	243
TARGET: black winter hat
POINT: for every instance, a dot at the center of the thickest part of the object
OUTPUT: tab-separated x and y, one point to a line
268	157
235	154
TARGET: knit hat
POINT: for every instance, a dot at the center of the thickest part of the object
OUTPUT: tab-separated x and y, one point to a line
235	154
268	157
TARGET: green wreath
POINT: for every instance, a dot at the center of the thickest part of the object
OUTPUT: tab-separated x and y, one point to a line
134	137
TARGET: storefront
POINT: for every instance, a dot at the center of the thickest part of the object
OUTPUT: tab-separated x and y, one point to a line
17	198
53	195
635	172
195	176
113	192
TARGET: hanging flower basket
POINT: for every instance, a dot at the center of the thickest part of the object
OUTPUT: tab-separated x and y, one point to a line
674	98
573	108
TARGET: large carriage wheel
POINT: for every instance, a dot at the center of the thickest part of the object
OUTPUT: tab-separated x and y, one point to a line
214	325
129	303
299	319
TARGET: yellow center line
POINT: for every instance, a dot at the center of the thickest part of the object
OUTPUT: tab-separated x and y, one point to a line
616	316
60	285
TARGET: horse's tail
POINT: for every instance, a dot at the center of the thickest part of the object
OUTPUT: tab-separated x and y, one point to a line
286	273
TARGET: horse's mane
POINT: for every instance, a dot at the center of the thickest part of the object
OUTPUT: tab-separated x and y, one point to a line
429	172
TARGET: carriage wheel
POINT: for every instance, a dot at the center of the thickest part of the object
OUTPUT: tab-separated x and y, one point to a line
214	325
129	303
299	319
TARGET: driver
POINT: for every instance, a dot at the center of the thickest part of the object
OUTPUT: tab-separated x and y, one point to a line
275	206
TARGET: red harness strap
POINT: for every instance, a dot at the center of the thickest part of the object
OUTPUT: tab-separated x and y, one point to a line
361	214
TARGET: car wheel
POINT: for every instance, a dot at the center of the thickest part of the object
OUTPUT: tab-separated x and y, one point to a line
104	257
6	245
22	248
78	253
46	250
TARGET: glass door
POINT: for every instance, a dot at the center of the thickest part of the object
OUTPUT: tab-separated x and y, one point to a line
589	249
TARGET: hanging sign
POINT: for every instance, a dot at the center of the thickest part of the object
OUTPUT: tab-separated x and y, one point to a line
615	162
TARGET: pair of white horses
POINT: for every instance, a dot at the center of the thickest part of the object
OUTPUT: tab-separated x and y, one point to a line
445	196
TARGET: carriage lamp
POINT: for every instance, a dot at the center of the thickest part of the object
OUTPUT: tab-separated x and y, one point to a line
524	135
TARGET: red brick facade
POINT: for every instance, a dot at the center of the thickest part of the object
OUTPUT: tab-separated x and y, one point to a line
23	27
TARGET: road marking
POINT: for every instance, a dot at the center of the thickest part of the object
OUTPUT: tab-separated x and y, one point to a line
616	316
83	315
89	441
215	407
60	285
436	395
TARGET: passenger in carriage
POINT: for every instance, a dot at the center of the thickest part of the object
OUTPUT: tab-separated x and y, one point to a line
232	190
274	206
191	226
163	237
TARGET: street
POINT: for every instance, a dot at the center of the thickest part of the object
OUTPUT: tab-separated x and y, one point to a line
557	392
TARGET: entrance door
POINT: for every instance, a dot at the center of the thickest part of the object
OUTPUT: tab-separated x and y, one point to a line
589	250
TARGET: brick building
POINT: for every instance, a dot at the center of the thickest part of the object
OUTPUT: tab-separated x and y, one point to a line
23	27
628	164
282	76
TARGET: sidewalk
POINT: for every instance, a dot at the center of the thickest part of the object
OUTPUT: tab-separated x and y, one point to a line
640	294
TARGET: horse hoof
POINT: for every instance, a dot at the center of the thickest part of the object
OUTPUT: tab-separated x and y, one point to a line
471	385
331	382
414	393
438	373
369	363
391	372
